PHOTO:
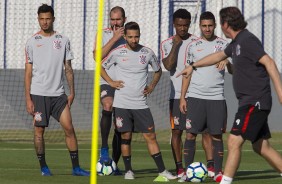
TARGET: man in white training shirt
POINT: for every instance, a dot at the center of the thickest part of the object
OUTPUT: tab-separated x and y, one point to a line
173	54
205	105
130	102
112	38
48	53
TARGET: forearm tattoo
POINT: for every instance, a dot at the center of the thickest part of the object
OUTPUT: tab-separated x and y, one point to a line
69	76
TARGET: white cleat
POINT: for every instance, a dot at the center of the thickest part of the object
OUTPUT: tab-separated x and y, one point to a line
167	175
129	175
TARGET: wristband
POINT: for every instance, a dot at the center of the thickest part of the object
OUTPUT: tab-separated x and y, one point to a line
193	67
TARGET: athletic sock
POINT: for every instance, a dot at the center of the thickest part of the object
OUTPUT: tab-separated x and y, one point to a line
189	152
42	161
159	161
217	156
210	163
179	165
226	180
116	146
105	127
127	163
74	158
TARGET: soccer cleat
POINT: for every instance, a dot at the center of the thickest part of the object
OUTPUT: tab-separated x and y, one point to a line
104	155
167	175
218	177
211	172
117	172
129	175
45	171
183	179
180	173
77	171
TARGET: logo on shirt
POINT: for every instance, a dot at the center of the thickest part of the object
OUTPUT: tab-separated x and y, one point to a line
144	51
219	42
217	48
199	43
124	59
238	50
59	36
38	37
142	59
37	116
123	52
57	44
119	122
39	45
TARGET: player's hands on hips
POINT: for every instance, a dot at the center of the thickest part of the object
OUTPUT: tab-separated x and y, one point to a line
30	107
117	84
183	105
70	100
186	72
148	90
118	33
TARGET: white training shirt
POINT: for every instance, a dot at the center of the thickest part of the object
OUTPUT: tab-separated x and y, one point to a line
132	69
176	83
107	35
47	56
206	82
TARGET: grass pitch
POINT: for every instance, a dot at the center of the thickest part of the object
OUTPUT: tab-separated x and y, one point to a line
19	165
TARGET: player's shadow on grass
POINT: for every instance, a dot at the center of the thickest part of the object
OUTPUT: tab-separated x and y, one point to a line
142	173
266	174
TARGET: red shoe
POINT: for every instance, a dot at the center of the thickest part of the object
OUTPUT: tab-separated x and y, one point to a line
218	177
211	172
180	173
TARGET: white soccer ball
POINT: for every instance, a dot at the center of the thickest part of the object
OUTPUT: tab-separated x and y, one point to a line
196	172
105	169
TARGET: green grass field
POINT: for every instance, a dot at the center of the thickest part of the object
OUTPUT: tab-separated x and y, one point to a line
19	165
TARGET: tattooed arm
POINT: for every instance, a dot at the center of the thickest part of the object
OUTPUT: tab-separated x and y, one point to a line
70	80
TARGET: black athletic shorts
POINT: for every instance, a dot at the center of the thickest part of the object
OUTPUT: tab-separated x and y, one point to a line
206	116
106	91
251	123
45	106
134	120
177	118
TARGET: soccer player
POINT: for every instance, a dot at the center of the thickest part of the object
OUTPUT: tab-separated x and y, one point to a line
206	91
252	67
48	53
112	38
131	109
173	52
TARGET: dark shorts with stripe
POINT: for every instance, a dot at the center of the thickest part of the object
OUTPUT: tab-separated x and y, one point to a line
45	106
106	91
134	120
251	123
177	118
206	115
